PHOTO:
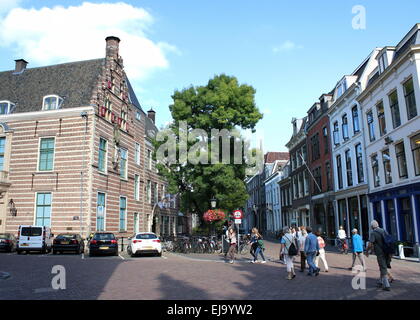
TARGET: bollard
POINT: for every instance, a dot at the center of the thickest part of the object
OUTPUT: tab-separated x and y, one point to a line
122	244
401	251
418	251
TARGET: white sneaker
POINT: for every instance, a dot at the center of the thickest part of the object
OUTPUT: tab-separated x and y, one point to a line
264	261
231	262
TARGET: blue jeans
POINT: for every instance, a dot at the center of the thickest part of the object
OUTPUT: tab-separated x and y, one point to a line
258	251
310	256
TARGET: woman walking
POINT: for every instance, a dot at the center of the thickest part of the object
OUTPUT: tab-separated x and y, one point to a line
232	247
289	248
321	255
259	248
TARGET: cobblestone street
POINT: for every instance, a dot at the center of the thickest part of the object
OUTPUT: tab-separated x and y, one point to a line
195	277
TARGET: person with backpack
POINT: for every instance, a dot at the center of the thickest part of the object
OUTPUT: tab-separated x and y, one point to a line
321	254
311	250
383	245
289	249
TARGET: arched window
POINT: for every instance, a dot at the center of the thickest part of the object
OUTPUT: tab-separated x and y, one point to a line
356	126
52	102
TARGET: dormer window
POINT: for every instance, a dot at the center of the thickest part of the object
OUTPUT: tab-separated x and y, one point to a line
383	62
342	87
52	102
6	107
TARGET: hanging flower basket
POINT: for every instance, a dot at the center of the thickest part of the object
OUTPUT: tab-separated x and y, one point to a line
213	215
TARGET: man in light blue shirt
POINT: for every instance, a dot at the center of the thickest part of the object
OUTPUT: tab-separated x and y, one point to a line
357	249
311	249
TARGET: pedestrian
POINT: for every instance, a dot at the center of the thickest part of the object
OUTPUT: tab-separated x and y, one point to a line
259	248
321	253
232	246
289	249
293	231
301	242
342	236
311	249
357	249
254	244
281	255
376	242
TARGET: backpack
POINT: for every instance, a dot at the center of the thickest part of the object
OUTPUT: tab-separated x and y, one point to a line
388	243
292	249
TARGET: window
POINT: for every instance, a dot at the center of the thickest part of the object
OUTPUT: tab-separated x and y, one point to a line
136	187
6	107
339	172
138	116
386	159
336	134
381	118
315	147
359	163
382	62
395	109
356	126
348	169
52	103
293	162
2	147
410	99
317	185
46	154
43	210
149	191
375	171
156	195
326	144
415	147
149	159
401	160
137	154
100	212
304	154
123	213
103	152
306	183
300	181
371	126
345	127
123	163
328	173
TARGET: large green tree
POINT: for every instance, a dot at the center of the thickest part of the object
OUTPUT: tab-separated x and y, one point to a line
221	104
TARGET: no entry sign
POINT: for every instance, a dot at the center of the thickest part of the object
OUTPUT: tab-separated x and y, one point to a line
237	214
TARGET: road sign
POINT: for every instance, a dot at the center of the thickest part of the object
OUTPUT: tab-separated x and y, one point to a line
238	214
238	221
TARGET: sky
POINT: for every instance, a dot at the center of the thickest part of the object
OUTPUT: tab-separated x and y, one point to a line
291	52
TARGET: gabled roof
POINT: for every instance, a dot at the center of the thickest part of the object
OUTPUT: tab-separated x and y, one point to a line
271	157
74	82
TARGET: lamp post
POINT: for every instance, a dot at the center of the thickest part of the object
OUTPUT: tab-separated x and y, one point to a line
213	203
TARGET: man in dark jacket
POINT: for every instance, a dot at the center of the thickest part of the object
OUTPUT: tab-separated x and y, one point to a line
376	242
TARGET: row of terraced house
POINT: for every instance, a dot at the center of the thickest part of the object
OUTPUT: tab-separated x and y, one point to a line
76	151
355	155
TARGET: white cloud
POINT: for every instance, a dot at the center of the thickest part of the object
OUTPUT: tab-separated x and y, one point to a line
287	46
65	34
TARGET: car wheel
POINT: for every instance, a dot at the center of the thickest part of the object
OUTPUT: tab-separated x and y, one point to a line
159	254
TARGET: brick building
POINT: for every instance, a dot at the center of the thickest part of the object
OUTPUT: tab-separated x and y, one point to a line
76	151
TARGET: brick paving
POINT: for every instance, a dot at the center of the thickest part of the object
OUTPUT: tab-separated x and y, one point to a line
195	277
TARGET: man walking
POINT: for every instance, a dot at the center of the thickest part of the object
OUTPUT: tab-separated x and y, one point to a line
357	250
376	241
311	249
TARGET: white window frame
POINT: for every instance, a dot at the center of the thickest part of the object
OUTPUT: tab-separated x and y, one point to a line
125	215
137	153
96	220
59	101
126	165
106	155
10	106
137	187
35	206
39	154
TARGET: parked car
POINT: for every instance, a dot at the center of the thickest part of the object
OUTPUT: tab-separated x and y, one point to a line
7	242
68	242
103	243
34	238
144	242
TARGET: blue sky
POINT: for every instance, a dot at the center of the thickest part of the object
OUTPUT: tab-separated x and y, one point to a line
290	51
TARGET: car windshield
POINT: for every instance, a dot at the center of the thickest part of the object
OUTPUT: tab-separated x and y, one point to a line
4	236
104	236
66	236
146	236
31	231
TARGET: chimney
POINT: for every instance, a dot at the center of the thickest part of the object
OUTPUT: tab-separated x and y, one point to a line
20	65
112	47
151	114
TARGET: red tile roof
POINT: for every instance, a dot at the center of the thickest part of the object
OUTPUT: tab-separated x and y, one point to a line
271	157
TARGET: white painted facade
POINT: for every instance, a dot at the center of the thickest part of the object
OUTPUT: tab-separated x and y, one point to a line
273	202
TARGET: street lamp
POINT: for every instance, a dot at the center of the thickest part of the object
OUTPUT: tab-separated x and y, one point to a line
213	202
